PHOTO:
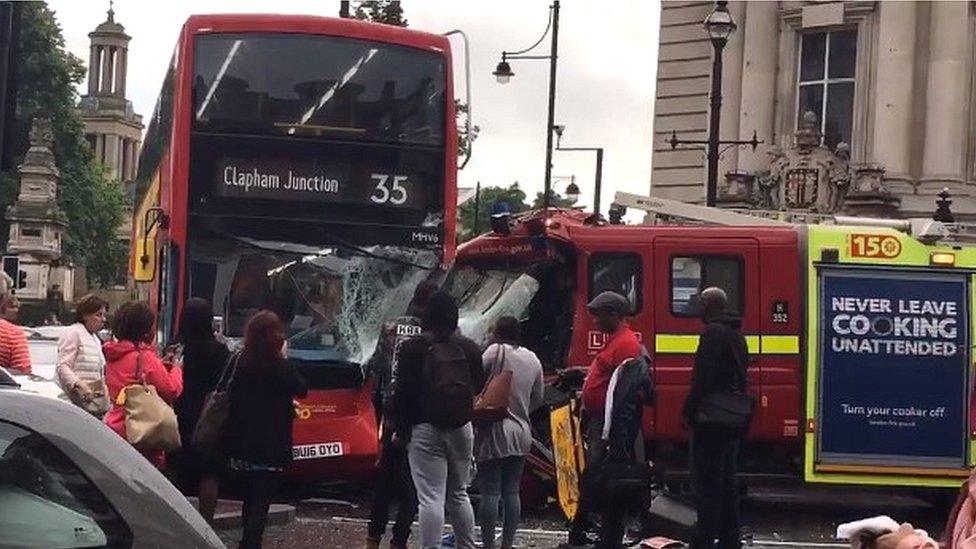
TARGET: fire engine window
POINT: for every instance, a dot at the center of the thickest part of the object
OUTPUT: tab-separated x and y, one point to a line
691	275
619	273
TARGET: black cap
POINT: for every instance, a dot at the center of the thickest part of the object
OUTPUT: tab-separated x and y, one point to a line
609	301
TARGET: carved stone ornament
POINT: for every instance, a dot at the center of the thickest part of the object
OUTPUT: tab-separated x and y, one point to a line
807	177
41	133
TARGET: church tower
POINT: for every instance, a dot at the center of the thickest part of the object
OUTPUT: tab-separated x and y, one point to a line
112	128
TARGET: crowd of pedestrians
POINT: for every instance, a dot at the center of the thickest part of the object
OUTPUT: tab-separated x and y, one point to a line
451	413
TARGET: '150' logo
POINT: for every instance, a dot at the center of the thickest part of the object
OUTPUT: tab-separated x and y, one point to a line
875	246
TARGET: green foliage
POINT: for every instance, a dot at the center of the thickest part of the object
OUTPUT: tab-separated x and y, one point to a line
94	205
388	12
512	195
464	140
556	200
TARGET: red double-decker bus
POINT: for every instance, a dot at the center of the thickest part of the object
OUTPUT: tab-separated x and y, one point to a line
306	165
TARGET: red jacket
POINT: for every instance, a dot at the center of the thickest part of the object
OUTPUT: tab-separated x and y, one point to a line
620	346
120	371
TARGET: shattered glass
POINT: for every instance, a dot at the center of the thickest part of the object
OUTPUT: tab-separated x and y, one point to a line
484	296
332	300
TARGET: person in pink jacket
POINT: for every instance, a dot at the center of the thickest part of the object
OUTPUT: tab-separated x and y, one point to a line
133	327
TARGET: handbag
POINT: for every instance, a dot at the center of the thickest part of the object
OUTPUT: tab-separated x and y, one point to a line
216	407
99	404
729	408
491	404
621	484
150	423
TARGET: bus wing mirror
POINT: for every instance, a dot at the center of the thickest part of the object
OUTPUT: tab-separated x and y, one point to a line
145	267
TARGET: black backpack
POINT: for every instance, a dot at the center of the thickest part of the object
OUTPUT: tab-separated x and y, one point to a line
450	397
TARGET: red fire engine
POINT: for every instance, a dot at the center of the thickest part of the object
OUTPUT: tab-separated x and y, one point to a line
543	268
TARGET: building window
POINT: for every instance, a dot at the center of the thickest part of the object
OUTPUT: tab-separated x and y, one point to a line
826	84
30	232
92	139
617	272
692	274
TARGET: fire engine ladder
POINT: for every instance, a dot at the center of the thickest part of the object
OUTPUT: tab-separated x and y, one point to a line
672	212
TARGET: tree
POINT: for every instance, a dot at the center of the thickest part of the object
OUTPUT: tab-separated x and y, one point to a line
464	140
556	200
388	12
46	87
511	195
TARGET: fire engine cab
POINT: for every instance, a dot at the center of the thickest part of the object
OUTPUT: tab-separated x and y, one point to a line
859	331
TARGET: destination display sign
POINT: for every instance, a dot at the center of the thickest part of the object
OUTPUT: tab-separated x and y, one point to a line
894	357
310	180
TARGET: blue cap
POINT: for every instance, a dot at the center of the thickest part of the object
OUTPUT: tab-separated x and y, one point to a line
500	209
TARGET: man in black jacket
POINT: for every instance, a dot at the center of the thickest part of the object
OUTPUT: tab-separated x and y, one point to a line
720	364
393	480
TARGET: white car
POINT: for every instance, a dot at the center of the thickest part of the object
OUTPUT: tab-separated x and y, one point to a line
66	480
43	346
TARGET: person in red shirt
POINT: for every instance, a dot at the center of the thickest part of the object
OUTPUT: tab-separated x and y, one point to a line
609	310
14	351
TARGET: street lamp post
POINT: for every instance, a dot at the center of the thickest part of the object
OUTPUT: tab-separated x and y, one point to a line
719	26
503	73
598	179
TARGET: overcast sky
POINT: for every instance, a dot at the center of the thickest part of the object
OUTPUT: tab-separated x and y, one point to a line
607	63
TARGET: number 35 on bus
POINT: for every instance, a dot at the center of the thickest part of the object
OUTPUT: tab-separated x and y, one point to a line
306	165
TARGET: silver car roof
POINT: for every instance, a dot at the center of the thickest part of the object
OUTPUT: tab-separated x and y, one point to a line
155	511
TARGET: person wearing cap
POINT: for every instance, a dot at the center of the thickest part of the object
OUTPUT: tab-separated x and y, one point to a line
609	310
501	218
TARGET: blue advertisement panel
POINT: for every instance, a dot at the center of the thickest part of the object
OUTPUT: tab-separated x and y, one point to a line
893	368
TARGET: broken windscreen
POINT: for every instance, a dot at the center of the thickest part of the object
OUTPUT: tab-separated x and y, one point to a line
332	300
486	294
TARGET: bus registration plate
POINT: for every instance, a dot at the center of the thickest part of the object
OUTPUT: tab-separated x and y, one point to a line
314	451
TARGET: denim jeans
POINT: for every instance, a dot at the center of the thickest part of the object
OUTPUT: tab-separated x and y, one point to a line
440	463
500	480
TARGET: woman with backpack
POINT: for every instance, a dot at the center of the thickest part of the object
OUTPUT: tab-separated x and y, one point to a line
132	360
257	433
501	446
204	359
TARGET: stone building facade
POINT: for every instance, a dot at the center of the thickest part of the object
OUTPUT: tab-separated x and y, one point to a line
864	107
112	127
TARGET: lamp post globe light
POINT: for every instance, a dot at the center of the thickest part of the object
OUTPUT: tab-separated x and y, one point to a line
719	24
503	74
573	191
